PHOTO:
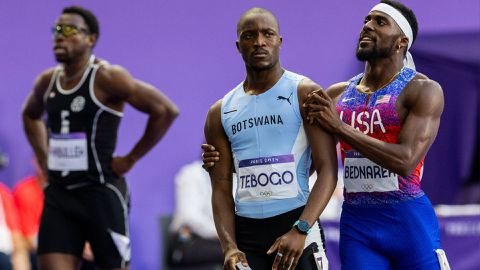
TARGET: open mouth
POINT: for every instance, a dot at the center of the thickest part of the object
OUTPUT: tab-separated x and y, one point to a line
59	49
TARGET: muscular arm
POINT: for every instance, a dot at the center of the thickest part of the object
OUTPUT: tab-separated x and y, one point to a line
324	157
221	177
145	98
418	131
33	123
423	101
324	160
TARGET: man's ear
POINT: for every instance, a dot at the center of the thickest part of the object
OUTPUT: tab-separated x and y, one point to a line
403	42
93	40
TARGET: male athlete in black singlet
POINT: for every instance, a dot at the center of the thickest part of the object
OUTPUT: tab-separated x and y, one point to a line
87	197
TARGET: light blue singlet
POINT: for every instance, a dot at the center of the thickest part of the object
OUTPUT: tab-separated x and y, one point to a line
270	148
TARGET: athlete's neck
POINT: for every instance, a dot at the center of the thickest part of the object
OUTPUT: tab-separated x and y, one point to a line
258	82
377	73
76	66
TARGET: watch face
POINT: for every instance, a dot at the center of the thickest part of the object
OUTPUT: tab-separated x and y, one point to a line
303	226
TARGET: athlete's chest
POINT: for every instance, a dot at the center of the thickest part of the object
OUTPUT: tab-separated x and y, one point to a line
371	114
77	104
269	114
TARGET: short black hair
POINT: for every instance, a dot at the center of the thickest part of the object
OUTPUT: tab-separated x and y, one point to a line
88	16
407	13
256	10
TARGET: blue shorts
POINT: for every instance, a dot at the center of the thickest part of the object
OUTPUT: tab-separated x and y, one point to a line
390	236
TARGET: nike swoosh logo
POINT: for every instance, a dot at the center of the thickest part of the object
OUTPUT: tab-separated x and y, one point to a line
347	99
230	111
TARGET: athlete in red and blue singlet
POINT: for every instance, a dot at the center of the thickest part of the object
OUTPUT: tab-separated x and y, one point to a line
382	210
375	115
386	119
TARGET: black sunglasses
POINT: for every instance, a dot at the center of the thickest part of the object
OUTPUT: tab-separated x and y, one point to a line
68	30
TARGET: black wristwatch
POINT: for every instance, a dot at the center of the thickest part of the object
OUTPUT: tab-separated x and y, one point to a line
302	226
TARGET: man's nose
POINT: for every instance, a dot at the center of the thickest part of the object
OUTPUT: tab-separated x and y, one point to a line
57	37
260	40
368	26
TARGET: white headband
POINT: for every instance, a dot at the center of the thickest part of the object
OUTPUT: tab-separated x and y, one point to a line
402	22
398	18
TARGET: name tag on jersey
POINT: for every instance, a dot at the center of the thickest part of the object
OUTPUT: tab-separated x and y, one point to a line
265	178
68	152
363	175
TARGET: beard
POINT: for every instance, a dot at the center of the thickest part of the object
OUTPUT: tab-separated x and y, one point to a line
63	57
367	54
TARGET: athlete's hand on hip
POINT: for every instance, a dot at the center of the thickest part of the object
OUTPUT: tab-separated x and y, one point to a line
321	109
209	156
287	249
121	165
232	257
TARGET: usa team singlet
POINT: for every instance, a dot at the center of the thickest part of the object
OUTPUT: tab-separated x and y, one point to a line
387	221
375	116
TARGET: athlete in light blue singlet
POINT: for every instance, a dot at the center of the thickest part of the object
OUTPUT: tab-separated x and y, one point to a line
272	223
271	152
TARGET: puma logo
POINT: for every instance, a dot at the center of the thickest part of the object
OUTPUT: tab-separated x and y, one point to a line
284	98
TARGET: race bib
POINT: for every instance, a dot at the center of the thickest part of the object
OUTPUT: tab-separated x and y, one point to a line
260	179
68	152
363	175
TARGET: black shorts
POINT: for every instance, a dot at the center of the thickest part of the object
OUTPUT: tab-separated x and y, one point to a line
255	236
97	213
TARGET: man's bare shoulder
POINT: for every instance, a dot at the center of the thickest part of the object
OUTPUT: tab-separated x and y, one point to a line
336	90
421	80
423	92
114	80
216	107
213	119
307	85
423	86
109	71
43	79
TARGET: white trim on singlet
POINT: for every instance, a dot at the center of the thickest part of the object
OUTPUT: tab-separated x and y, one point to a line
94	98
79	84
298	149
124	203
50	84
94	149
